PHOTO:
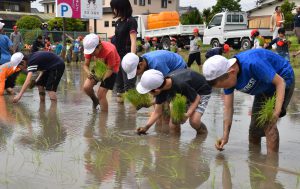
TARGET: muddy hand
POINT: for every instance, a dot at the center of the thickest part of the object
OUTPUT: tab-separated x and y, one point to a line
220	144
141	130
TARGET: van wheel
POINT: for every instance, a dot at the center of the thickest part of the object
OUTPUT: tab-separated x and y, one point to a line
246	44
214	43
166	43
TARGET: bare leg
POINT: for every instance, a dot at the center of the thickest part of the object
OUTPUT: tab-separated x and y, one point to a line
195	121
102	99
42	93
52	95
272	137
174	129
88	89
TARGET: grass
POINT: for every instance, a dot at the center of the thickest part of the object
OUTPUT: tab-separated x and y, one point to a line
178	108
21	79
138	100
99	69
265	114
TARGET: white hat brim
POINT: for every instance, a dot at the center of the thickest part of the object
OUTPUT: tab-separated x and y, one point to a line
89	51
141	89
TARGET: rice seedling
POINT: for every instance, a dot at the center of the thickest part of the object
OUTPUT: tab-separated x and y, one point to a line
138	100
99	69
21	79
178	108
256	173
199	42
264	116
138	43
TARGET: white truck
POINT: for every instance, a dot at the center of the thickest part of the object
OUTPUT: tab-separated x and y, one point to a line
181	32
231	28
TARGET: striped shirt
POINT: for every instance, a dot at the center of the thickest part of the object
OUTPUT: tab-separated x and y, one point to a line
43	61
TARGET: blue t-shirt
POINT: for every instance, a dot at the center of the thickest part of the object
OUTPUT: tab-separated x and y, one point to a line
257	71
5	43
76	46
164	61
58	49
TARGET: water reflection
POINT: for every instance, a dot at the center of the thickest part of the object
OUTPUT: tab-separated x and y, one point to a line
49	135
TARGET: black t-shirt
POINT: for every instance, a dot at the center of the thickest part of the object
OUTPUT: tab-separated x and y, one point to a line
122	35
297	20
43	61
186	82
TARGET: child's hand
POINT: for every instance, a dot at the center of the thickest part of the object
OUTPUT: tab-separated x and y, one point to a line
17	98
141	130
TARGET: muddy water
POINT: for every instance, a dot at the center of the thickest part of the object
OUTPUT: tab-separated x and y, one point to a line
68	145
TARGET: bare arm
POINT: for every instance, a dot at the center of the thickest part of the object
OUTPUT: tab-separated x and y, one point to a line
227	120
280	92
133	42
24	87
153	118
193	106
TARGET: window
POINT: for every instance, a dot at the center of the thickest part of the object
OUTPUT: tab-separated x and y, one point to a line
142	2
164	3
241	18
106	24
47	7
113	23
170	2
229	18
14	7
216	21
149	2
235	18
53	6
135	2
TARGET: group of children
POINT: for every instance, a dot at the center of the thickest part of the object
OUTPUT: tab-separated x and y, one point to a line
257	72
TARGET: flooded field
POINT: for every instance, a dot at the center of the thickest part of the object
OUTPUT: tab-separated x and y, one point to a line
68	145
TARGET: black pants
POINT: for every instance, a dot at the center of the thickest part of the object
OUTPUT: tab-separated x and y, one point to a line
122	82
192	57
11	80
257	131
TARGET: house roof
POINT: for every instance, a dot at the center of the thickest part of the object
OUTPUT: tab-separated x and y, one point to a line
5	15
47	1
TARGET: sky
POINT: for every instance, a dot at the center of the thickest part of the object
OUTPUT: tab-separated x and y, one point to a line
200	4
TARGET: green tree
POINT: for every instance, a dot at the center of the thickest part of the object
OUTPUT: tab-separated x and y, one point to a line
71	24
29	22
228	5
287	8
191	17
207	15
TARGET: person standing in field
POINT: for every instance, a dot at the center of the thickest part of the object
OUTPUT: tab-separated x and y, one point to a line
17	39
194	54
125	41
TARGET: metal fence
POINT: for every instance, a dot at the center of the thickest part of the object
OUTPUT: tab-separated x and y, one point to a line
29	36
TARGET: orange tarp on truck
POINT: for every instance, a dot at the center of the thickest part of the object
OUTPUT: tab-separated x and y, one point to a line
163	19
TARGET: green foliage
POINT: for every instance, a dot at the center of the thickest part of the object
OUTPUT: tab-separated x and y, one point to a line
228	5
192	17
138	100
207	15
287	8
265	114
21	79
178	108
71	24
29	22
31	35
99	69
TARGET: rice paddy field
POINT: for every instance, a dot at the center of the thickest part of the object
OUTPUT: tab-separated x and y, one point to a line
69	145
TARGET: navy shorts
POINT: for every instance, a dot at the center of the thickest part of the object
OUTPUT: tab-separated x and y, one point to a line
51	78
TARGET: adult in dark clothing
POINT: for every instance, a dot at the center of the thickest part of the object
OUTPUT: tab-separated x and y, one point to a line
125	40
37	44
186	82
297	23
52	68
56	34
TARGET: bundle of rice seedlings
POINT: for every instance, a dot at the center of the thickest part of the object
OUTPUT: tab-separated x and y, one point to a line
266	113
99	69
178	108
199	42
138	100
21	79
138	43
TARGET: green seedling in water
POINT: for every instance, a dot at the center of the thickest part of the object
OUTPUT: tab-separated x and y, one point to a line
265	115
99	69
178	108
21	79
138	100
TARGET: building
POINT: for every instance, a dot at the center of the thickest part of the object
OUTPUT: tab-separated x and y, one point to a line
145	7
49	6
15	6
260	16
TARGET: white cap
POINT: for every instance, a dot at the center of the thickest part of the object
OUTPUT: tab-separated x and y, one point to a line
1	25
151	79
16	58
129	64
90	43
216	66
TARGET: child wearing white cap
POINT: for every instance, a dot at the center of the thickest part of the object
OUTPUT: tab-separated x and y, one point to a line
257	72
94	47
183	81
7	69
161	60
